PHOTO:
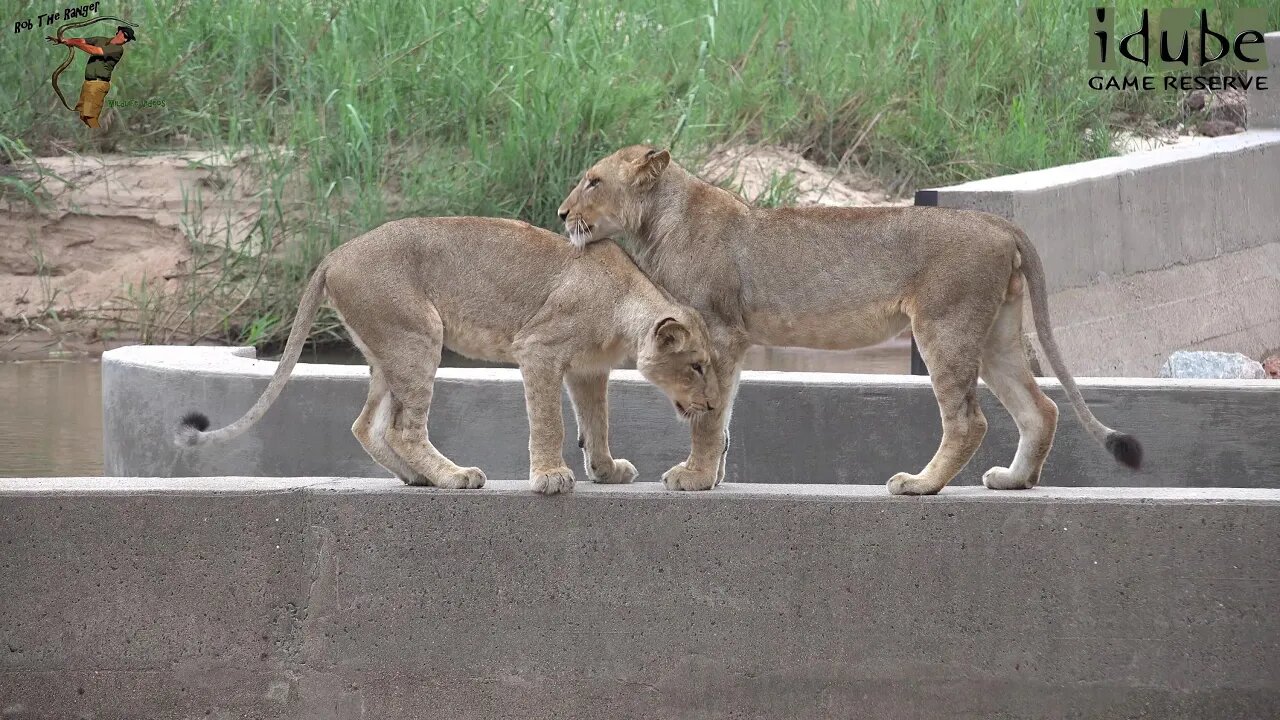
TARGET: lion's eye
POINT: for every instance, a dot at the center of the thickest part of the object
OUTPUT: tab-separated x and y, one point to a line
592	182
697	367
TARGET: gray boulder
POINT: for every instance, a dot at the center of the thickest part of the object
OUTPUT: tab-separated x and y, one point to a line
1208	365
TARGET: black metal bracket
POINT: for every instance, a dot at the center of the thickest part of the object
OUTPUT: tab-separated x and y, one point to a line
917	363
924	198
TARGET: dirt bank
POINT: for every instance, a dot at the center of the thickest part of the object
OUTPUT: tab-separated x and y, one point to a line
103	238
105	226
110	237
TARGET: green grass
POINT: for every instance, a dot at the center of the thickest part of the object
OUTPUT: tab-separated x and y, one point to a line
384	108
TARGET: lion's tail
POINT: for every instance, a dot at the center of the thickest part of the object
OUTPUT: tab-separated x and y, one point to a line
1124	447
192	429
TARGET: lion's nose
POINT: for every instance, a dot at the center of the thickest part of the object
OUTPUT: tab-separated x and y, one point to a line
564	215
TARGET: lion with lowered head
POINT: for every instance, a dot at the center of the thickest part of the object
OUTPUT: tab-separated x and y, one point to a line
499	290
840	278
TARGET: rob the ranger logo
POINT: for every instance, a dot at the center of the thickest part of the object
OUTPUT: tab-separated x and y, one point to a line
1177	40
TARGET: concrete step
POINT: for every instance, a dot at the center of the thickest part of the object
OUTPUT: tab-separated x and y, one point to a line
347	598
787	427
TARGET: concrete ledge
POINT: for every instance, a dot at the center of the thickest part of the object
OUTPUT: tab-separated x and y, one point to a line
787	427
262	486
1134	213
340	598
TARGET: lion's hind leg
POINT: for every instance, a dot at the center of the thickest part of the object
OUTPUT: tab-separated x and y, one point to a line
371	426
951	344
404	340
1006	371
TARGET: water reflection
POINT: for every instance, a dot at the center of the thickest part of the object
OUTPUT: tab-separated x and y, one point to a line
50	419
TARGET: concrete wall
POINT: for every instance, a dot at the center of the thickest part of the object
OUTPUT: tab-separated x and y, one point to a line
1264	106
1152	252
1170	249
345	599
787	427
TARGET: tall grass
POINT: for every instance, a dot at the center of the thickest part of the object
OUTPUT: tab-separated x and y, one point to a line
372	109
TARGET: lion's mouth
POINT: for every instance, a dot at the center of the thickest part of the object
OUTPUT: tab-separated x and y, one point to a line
689	412
579	233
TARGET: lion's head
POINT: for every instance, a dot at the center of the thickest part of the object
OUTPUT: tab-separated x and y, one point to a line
609	199
676	356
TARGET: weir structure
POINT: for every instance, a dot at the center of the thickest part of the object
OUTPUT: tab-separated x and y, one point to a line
321	589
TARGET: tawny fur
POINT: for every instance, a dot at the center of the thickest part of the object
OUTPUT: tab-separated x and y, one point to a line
838	278
498	290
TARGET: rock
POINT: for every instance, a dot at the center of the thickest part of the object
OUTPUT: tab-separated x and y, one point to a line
1217	113
1271	364
1215	128
1229	105
1207	365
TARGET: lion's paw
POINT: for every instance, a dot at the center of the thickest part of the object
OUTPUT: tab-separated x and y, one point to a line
682	478
621	472
415	480
1001	478
908	484
464	478
551	482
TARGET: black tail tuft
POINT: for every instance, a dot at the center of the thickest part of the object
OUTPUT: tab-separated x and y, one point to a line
1125	448
199	422
191	429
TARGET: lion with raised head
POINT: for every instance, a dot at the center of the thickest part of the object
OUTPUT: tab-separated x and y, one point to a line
504	291
840	278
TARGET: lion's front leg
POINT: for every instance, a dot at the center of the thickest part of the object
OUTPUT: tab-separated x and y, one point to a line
705	467
589	393
547	472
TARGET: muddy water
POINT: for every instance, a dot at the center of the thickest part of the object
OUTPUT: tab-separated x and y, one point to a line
50	419
51	412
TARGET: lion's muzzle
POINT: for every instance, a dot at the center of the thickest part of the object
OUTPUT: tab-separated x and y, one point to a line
579	232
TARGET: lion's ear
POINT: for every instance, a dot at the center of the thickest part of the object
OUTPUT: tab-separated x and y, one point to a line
670	334
650	166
